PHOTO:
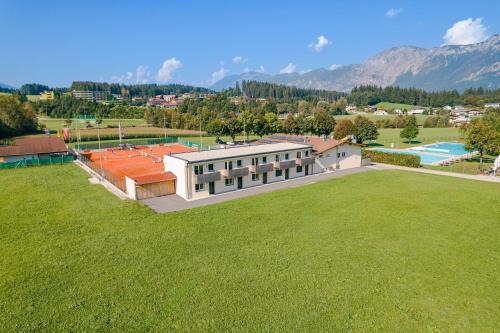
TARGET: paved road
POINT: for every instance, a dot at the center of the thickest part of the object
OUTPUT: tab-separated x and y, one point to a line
483	178
171	203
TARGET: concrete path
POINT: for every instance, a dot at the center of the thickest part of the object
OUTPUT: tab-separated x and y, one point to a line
484	178
172	203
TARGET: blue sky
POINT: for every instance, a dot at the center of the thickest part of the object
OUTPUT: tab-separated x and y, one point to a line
195	42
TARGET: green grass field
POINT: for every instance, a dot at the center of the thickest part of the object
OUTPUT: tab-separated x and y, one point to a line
387	136
373	117
392	106
377	251
56	123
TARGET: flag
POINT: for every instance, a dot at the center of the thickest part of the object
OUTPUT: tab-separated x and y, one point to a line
66	133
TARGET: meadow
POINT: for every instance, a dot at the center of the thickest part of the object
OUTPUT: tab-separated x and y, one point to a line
374	117
376	251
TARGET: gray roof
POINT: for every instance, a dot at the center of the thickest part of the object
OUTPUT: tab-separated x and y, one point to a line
234	152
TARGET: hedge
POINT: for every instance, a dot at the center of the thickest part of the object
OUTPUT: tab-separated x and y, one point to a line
106	137
403	159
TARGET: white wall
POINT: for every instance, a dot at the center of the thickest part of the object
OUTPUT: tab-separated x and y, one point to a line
178	168
352	158
130	183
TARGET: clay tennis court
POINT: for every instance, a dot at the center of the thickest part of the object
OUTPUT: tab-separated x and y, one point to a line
139	162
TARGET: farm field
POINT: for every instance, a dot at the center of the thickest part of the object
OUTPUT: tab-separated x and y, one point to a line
56	123
392	106
373	117
376	251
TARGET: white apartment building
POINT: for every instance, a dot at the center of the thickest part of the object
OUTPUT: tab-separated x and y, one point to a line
204	173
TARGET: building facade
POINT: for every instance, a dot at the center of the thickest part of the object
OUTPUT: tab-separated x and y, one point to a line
204	173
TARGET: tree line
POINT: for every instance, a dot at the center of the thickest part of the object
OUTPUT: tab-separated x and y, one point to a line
16	117
371	95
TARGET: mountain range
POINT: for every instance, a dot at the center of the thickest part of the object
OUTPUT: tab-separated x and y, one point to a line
6	86
438	68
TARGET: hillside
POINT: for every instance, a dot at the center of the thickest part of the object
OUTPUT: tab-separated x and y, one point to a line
446	67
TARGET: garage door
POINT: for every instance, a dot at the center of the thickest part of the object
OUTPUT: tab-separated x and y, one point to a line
158	189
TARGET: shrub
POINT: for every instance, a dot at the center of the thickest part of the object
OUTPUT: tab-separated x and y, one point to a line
401	159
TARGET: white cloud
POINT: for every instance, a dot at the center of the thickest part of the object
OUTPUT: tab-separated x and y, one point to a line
261	69
239	60
334	67
167	69
393	12
217	76
469	31
246	70
289	69
320	44
305	71
141	74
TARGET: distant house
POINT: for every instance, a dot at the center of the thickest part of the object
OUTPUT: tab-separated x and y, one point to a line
33	148
447	107
351	108
492	105
47	96
137	99
416	111
161	102
398	112
381	112
89	95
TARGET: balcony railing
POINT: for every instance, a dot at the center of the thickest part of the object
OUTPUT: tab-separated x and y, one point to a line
284	164
261	168
238	172
305	160
206	177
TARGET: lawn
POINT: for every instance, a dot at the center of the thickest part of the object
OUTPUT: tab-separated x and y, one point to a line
373	117
392	106
469	166
376	251
389	136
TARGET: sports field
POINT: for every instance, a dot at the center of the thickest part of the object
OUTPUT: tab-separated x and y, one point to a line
376	251
56	123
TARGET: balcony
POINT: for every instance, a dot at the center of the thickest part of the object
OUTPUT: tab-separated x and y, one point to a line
284	164
305	161
206	177
238	172
261	168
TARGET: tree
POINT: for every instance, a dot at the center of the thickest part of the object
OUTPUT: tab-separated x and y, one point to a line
272	123
364	129
232	127
344	127
410	131
322	123
247	122
259	125
16	118
290	125
481	136
216	128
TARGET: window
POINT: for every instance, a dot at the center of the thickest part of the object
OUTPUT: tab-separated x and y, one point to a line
338	155
299	154
255	161
198	169
228	165
277	158
299	169
307	153
286	156
264	159
278	173
238	163
343	154
210	167
229	181
255	176
199	187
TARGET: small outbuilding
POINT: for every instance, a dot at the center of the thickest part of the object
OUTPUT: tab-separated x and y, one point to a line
26	149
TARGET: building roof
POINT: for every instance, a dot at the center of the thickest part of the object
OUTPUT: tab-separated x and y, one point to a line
319	145
234	152
154	178
35	145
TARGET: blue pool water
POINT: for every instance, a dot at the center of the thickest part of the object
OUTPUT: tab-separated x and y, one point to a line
424	158
432	153
448	148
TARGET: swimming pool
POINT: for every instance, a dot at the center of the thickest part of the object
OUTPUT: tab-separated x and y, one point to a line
434	153
447	148
424	158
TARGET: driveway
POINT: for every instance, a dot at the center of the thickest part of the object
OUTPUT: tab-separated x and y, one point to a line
171	203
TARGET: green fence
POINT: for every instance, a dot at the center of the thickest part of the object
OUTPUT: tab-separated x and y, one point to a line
114	144
37	162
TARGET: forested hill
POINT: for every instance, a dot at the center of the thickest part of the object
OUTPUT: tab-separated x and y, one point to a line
255	89
139	90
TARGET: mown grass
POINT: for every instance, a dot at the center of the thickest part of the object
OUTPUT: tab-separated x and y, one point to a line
377	251
389	136
374	117
392	106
